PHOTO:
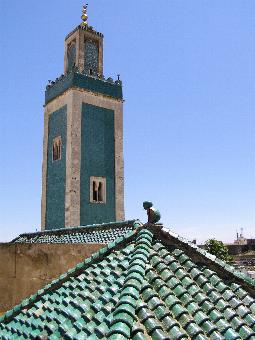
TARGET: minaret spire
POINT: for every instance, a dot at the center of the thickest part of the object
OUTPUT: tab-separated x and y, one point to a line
84	16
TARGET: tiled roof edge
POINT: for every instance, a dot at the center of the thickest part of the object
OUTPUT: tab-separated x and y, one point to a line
73	271
230	269
78	228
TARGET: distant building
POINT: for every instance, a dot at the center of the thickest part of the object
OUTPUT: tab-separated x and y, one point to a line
241	240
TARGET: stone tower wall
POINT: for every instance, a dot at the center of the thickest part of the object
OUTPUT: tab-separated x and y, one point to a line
73	99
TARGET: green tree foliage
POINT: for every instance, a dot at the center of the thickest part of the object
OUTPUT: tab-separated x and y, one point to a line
218	249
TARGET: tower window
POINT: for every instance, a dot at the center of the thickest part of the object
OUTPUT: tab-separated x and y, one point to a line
56	149
97	190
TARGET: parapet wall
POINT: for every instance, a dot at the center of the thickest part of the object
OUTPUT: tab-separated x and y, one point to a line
236	249
25	268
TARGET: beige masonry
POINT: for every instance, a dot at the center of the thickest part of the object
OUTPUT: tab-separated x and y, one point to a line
74	98
25	268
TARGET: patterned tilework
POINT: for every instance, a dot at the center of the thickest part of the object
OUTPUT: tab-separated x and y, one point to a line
91	57
136	288
60	86
97	159
103	233
83	81
56	172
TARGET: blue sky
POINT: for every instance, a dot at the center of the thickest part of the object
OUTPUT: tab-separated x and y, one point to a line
188	70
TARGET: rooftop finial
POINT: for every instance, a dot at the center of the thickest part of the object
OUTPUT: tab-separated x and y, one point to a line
153	214
84	16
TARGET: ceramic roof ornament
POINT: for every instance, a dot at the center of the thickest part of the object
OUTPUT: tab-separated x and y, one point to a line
153	214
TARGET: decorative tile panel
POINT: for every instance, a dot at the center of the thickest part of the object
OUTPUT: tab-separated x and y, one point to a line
97	160
91	57
56	172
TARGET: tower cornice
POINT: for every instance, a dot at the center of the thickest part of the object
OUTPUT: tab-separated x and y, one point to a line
84	28
107	87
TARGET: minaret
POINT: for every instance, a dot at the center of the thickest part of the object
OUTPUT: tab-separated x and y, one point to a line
82	175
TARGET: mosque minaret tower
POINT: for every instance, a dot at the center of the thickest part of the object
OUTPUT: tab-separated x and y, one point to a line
82	175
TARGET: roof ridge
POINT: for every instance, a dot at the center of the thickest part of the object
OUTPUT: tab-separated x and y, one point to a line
209	257
95	257
124	314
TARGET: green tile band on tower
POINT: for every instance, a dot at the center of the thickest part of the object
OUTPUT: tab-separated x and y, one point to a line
97	159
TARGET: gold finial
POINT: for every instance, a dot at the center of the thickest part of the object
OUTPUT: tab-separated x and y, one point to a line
84	16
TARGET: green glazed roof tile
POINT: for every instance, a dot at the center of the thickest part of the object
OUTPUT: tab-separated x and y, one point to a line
137	333
117	337
120	328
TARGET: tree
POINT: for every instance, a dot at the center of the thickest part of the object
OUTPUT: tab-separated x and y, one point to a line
218	249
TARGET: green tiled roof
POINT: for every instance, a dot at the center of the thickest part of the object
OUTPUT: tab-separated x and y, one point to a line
148	284
96	233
